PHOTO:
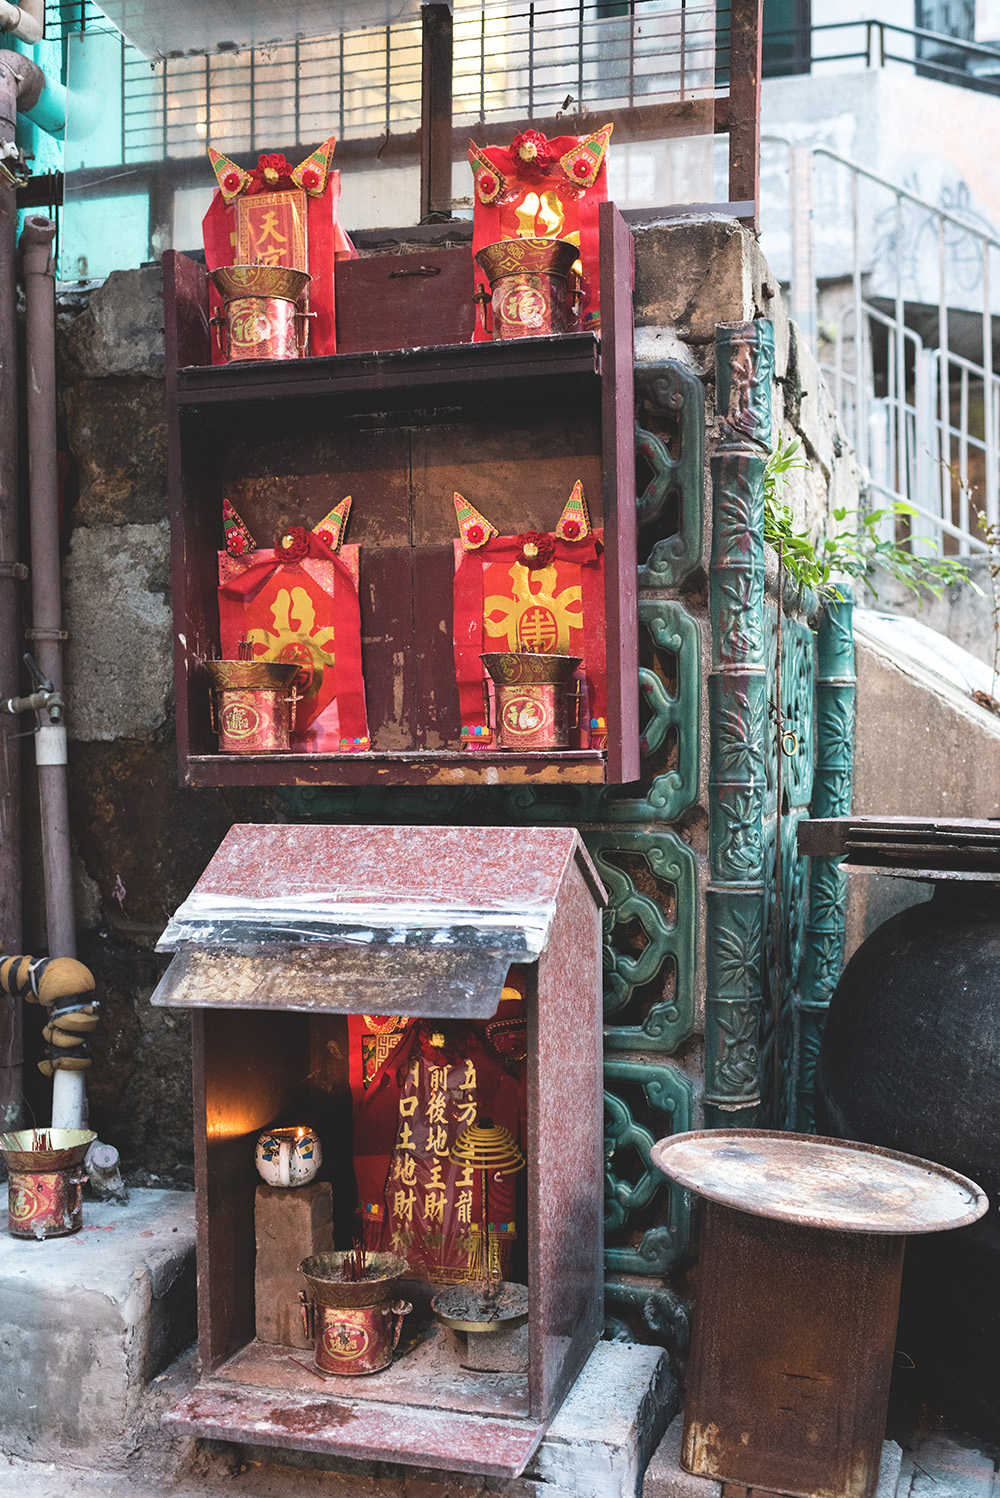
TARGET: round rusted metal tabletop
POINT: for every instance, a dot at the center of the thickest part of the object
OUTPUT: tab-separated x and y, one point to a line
807	1180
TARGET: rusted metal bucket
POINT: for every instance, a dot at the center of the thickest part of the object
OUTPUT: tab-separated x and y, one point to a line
532	698
533	290
355	1323
253	705
261	316
45	1189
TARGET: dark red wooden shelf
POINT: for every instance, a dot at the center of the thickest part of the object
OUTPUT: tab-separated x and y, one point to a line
420	767
511	424
453	374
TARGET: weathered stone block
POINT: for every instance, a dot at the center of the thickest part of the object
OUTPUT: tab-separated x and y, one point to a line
145	840
121	330
502	1351
693	273
117	611
609	1425
290	1224
87	1321
666	1478
117	432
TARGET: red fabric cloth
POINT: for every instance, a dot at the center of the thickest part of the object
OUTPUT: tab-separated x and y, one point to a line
328	243
306	611
540	199
576	627
406	1125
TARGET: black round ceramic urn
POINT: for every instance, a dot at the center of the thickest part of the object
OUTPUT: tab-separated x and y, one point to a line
910	1058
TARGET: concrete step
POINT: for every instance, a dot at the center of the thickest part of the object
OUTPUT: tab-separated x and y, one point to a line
87	1321
947	1465
932	1464
597	1447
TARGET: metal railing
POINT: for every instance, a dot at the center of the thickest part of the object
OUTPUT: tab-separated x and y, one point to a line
933	54
908	355
521	60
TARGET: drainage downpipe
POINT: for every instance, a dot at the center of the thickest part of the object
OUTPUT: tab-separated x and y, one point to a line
21	84
68	1096
26	22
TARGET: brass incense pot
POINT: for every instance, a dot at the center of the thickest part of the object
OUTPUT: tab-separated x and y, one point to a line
533	291
532	698
355	1322
45	1189
253	705
261	317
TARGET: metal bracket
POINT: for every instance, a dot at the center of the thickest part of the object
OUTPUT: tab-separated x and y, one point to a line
14	170
16	570
46	634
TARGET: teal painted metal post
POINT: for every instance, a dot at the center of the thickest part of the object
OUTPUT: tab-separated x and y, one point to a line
825	924
737	726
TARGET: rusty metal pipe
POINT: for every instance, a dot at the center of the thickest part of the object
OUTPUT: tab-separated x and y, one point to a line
68	1089
46	600
21	83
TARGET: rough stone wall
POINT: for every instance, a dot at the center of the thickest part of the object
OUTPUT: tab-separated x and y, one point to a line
141	842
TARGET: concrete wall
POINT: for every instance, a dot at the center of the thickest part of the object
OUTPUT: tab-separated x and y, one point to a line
695	272
923	748
140	841
925	136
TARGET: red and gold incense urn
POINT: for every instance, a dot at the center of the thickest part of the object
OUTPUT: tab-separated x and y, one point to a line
46	1177
356	1323
261	316
532	693
253	705
533	287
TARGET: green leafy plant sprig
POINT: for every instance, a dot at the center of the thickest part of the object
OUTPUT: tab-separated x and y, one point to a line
855	549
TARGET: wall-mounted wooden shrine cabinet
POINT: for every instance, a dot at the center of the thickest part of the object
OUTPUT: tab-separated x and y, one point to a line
511	425
392	988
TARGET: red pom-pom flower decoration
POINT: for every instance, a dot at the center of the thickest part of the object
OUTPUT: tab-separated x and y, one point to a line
536	549
293	545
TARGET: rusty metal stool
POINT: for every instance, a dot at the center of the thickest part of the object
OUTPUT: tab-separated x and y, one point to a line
798	1290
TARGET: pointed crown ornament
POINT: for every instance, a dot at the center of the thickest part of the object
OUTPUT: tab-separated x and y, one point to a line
294	545
474	529
573	526
273	172
531	155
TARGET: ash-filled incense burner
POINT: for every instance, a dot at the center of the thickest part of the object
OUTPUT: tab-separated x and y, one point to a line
355	1322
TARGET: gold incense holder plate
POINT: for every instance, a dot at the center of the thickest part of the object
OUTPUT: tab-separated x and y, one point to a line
515	668
324	1273
232	281
67	1147
465	1308
251	676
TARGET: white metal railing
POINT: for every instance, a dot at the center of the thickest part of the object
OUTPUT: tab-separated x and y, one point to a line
896	297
